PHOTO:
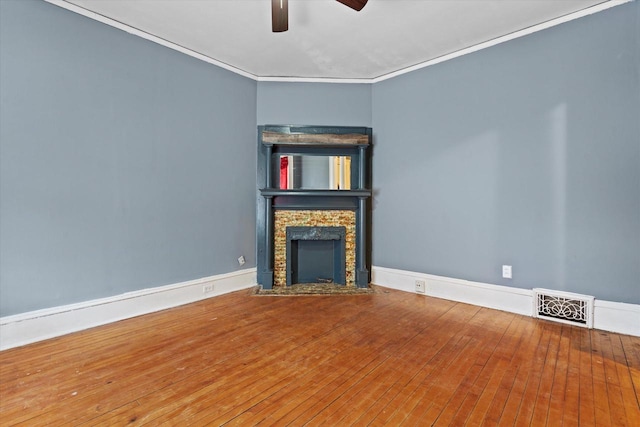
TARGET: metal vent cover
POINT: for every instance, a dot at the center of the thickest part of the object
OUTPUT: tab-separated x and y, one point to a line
564	307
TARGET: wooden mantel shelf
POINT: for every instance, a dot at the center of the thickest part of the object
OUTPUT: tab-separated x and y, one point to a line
270	138
315	193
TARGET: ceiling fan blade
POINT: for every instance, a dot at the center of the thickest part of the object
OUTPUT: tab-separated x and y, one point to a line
354	4
279	15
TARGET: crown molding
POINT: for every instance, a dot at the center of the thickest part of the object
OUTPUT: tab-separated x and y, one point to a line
292	79
314	80
508	37
147	36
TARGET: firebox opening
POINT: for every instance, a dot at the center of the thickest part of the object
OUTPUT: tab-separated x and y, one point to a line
316	255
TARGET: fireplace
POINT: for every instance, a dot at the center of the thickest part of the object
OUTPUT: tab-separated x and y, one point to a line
316	255
286	221
312	225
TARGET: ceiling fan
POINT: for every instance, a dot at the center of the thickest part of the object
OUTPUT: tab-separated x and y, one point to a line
280	12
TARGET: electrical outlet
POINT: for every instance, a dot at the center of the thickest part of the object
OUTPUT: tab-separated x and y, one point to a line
207	288
506	272
241	260
421	286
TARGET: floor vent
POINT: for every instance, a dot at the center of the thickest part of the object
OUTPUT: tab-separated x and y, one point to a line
565	307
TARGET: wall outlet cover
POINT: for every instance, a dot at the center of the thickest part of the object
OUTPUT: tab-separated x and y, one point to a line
507	272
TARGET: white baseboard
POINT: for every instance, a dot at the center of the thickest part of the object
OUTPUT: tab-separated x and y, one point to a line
503	298
617	317
26	328
610	316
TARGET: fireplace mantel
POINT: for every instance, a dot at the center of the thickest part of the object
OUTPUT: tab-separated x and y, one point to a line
318	205
303	137
270	192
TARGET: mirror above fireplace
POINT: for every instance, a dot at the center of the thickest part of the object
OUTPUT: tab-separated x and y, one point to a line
313	172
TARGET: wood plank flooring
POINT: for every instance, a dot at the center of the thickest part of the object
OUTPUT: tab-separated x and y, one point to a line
388	358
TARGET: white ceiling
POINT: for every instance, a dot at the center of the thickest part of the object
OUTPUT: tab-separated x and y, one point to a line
327	39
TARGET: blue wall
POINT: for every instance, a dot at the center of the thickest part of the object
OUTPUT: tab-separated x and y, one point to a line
329	104
124	165
119	160
527	153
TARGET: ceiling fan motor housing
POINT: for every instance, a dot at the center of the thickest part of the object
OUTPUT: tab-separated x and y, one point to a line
280	12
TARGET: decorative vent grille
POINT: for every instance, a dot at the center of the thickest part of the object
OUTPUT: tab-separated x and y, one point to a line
563	307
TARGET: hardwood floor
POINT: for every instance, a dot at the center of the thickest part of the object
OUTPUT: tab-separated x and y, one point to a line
389	358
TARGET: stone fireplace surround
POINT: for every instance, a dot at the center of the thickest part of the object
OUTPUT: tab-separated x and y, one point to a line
277	209
313	218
